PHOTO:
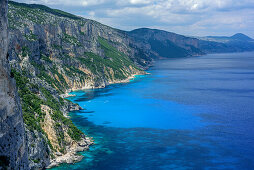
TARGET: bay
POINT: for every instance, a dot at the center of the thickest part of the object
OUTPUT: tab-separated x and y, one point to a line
188	113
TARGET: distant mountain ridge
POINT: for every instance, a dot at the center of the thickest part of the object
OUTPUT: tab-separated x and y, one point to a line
165	44
52	52
235	37
218	44
241	37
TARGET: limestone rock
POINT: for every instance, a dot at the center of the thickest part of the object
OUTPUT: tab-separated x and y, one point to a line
13	145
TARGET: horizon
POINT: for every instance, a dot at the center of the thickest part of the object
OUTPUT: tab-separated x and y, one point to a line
126	84
189	25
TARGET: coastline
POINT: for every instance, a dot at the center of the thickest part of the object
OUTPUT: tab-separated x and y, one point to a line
127	80
71	155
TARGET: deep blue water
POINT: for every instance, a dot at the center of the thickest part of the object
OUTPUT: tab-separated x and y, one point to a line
189	113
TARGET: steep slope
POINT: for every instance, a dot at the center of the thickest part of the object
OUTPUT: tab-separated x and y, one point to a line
158	43
37	70
68	46
13	145
52	52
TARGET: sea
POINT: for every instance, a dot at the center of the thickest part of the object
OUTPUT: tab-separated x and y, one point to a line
188	113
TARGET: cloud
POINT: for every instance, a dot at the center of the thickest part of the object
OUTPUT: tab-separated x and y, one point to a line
192	17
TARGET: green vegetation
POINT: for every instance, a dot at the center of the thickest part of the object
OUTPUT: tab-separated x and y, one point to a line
58	47
72	71
46	58
115	60
73	131
61	150
42	8
31	103
70	39
52	156
12	22
36	160
50	100
60	76
114	65
25	51
33	115
23	10
59	118
66	56
164	49
31	37
60	135
51	81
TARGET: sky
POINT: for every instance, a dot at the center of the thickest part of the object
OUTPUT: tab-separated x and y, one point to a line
187	17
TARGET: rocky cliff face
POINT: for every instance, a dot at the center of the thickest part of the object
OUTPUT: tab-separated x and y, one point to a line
52	52
13	145
73	52
158	43
51	136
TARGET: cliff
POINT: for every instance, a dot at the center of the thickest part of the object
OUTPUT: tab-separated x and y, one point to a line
163	44
52	52
13	145
52	138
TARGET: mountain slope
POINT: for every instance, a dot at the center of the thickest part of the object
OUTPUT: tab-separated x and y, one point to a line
221	44
241	37
13	144
158	43
52	52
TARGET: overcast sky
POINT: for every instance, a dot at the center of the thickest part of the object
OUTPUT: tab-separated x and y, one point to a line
187	17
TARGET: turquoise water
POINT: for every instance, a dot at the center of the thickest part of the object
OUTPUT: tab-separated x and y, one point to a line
190	113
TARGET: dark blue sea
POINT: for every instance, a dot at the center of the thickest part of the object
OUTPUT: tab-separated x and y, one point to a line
189	113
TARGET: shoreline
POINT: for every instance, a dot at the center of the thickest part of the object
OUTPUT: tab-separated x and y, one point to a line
127	80
72	156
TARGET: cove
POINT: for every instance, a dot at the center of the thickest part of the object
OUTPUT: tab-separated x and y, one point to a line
189	113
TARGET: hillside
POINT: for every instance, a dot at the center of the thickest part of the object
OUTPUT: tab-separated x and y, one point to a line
221	44
163	44
52	52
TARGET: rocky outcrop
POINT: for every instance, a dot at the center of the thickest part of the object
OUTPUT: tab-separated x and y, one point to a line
38	150
13	145
71	156
71	146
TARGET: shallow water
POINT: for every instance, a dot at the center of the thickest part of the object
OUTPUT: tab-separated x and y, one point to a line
190	113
